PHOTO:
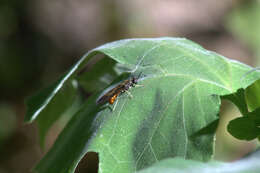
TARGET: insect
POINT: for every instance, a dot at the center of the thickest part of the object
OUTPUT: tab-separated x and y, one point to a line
112	94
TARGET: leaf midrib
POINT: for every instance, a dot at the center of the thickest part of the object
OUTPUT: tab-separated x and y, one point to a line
230	90
163	115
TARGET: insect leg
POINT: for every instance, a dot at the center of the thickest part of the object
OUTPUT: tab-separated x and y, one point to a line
129	94
115	105
138	85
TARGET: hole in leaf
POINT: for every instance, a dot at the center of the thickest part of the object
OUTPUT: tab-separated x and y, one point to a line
89	163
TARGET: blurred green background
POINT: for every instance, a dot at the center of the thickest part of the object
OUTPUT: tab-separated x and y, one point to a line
39	40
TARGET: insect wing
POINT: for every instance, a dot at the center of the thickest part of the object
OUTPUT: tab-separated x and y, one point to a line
111	93
106	97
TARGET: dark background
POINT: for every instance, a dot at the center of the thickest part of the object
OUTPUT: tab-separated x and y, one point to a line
41	39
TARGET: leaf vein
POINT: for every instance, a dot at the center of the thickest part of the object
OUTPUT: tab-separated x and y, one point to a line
184	127
202	63
162	115
145	55
116	123
198	79
153	152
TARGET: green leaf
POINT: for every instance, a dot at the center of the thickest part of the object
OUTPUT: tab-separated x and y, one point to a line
103	70
179	165
63	100
255	116
239	99
246	128
243	128
37	103
48	105
71	144
253	95
50	110
181	82
209	129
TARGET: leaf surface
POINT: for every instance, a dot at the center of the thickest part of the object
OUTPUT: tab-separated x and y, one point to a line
246	127
253	95
179	165
181	84
103	70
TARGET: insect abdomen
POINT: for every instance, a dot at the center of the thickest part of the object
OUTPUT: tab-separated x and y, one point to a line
112	99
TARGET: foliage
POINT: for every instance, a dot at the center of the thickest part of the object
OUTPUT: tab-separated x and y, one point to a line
180	95
179	165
